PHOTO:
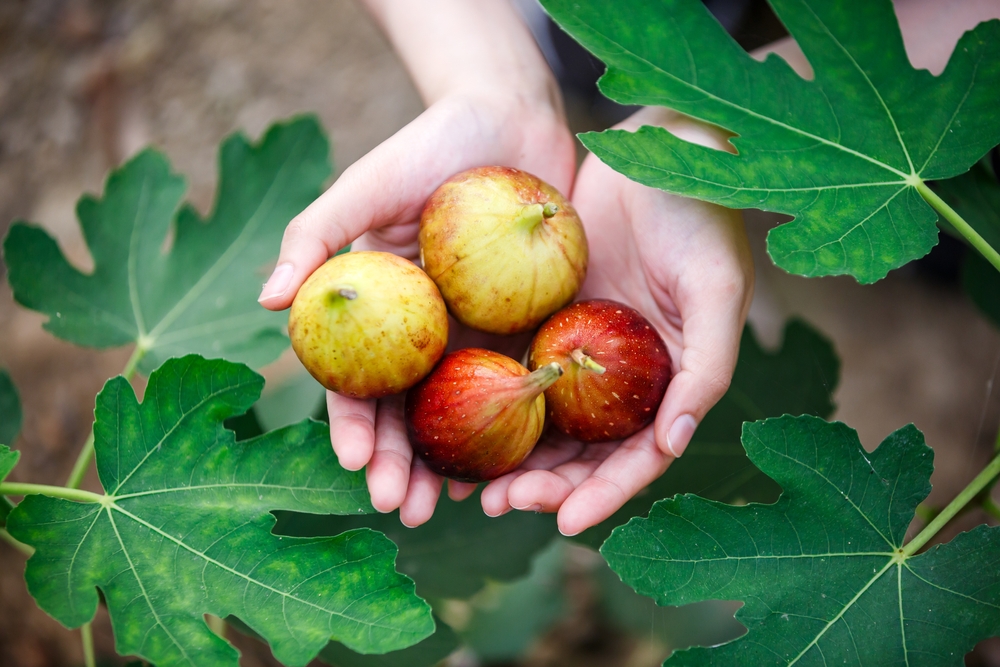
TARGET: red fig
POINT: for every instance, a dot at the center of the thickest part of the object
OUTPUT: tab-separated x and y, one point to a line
617	368
368	324
504	247
478	415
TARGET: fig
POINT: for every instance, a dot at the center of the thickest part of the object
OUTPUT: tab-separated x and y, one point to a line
616	365
368	324
478	414
505	248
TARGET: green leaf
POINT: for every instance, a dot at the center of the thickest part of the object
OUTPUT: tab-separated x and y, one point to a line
200	296
822	571
10	410
455	553
507	618
293	400
185	530
704	623
8	459
797	379
842	153
976	197
429	651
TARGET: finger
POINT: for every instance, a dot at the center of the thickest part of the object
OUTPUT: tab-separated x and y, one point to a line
545	491
380	189
713	314
352	429
390	185
628	470
421	496
494	496
460	490
388	471
553	450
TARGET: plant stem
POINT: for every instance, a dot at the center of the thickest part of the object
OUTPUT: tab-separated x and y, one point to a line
67	493
87	637
17	544
75	478
960	225
953	508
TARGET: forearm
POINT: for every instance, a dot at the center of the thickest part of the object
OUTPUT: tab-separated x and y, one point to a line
474	46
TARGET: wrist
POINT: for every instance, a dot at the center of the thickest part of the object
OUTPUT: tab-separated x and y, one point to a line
457	47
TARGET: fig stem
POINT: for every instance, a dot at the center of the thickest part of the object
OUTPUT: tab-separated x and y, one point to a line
582	359
530	217
542	378
348	293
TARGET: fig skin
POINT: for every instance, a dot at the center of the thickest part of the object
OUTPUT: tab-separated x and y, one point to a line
504	247
478	415
368	324
616	365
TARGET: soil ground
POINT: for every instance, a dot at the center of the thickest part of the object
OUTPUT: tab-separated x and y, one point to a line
84	85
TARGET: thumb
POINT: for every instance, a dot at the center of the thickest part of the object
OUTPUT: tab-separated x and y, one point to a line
388	186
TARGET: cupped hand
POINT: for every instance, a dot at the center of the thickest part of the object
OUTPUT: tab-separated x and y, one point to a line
684	264
376	205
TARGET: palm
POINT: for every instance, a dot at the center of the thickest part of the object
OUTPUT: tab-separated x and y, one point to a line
383	196
678	261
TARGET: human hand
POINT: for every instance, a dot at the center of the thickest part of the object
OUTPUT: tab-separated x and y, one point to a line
376	204
684	264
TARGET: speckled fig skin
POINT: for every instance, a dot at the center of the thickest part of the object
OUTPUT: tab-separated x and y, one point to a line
505	248
478	414
368	324
587	403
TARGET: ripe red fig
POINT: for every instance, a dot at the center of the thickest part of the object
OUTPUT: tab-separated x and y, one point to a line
478	414
505	248
617	369
368	324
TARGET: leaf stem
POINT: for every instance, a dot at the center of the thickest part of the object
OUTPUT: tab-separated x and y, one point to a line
75	478
67	493
954	507
17	544
87	638
960	225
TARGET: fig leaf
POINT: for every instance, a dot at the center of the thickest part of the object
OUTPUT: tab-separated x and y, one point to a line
823	572
200	294
10	410
797	379
843	153
184	529
457	552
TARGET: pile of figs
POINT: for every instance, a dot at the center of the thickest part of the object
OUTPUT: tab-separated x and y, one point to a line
502	252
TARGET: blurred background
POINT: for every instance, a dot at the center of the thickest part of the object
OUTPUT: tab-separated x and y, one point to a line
84	84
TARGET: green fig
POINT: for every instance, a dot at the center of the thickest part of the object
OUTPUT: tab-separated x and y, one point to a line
368	324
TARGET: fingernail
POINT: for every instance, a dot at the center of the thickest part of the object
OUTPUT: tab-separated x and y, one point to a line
404	523
680	434
277	284
568	534
493	516
530	508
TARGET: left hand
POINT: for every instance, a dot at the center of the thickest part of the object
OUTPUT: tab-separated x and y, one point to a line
684	264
